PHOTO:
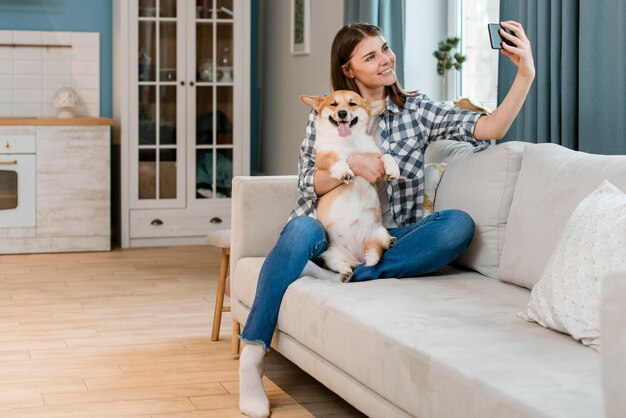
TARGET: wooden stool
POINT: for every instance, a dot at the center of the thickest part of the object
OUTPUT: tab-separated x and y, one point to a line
220	239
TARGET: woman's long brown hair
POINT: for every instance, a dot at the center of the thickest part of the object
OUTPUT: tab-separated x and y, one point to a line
344	44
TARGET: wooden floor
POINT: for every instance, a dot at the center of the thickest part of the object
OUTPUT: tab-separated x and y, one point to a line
127	334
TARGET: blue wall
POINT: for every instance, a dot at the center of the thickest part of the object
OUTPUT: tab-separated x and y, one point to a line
68	16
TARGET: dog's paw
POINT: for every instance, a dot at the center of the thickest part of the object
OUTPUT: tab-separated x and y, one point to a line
341	171
372	257
390	242
347	177
345	276
391	167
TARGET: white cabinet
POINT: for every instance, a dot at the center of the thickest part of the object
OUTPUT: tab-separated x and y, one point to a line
72	186
182	96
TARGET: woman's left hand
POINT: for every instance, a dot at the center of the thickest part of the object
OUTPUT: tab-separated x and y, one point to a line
521	54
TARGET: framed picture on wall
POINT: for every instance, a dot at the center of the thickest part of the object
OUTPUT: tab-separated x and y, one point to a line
300	27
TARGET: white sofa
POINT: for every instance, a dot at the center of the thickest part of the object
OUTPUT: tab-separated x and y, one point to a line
451	344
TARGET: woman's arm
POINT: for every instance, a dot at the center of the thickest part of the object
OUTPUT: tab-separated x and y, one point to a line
324	183
496	125
306	162
368	166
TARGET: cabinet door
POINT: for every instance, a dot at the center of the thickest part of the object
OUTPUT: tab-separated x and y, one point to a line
157	100
73	184
212	146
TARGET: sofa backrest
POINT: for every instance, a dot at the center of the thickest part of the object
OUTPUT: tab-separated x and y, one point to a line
553	180
481	184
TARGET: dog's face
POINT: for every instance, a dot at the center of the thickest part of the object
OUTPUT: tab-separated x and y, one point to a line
345	110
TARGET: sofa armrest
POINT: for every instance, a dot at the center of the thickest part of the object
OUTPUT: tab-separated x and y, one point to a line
614	343
260	208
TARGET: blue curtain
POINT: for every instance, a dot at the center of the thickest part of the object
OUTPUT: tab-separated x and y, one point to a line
578	97
387	15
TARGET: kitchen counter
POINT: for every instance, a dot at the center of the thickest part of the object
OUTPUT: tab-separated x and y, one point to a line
56	121
63	187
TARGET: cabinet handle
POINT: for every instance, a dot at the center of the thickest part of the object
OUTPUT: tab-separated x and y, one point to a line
191	83
216	220
182	83
156	222
11	163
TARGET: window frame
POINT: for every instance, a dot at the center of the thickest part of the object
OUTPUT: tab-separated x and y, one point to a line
455	28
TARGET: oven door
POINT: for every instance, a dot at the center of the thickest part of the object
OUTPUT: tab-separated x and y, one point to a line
17	190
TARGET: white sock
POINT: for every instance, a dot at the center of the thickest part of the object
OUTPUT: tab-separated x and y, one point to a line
253	401
313	270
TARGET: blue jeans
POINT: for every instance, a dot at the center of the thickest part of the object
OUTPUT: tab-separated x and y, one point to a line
421	248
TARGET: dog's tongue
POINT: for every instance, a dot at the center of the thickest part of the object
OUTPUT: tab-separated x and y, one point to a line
344	129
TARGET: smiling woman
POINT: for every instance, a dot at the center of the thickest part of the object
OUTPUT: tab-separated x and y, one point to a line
361	62
372	66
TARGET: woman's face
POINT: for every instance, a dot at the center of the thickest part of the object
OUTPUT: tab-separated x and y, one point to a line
372	66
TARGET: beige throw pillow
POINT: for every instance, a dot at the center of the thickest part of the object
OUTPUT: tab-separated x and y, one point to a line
481	184
567	296
432	177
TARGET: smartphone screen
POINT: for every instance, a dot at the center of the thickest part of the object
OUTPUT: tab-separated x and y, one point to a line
495	38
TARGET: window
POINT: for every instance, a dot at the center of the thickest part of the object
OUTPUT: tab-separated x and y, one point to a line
479	76
427	23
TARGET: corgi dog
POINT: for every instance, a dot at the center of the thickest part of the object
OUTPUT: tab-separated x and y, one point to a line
350	213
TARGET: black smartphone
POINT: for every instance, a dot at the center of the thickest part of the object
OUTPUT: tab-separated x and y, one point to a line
495	38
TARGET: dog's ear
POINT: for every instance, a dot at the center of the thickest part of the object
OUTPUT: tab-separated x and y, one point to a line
313	101
376	106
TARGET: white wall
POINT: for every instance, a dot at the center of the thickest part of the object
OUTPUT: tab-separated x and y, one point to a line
422	35
287	77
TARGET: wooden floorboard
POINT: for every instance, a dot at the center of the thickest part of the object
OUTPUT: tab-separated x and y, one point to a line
126	333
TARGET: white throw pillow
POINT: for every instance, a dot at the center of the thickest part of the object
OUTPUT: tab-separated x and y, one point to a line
567	296
432	178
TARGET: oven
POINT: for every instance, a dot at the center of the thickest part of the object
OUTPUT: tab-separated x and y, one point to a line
18	173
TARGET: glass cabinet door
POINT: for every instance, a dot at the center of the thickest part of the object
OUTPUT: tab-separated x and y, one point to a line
213	146
157	131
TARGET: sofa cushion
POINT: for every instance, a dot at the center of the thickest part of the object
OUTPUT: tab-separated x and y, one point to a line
481	184
447	345
247	272
552	182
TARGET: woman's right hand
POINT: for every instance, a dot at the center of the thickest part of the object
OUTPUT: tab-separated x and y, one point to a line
369	166
521	54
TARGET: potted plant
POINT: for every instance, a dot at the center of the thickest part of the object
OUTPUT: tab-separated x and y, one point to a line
448	59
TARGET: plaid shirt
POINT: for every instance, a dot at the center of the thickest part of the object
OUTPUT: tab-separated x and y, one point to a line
404	133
